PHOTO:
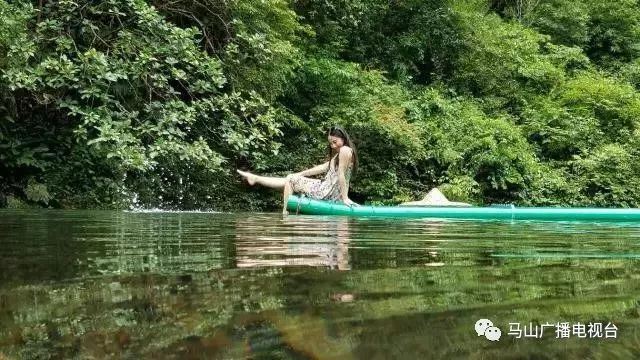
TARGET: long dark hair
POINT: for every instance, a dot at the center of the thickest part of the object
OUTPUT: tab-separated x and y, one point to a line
339	132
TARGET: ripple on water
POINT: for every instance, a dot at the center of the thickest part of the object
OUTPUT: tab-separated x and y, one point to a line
221	285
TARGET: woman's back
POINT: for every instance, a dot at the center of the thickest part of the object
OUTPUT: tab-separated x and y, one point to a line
330	187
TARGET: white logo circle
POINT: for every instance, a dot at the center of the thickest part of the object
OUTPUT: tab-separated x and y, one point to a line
482	325
492	333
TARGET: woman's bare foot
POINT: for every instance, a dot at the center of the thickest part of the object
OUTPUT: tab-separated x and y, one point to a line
251	179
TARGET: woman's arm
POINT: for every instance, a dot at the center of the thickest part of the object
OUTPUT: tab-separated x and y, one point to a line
320	169
345	159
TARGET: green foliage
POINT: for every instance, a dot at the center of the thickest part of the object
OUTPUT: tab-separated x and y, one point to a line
130	91
567	22
606	30
630	72
555	130
506	63
589	110
462	188
606	174
37	192
107	103
616	106
89	75
16	203
614	34
477	156
263	55
411	40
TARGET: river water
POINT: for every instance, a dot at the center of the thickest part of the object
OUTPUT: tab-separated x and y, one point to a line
96	284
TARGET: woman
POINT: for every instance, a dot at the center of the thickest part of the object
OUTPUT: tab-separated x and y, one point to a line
335	186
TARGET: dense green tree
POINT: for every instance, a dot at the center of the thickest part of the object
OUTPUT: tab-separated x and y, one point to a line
410	40
107	103
110	89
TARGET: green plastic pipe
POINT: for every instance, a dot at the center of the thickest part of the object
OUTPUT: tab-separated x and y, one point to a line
303	205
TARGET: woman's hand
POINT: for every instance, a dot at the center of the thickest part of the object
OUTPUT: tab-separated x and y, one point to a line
349	202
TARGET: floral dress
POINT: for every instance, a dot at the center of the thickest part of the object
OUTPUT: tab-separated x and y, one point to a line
326	189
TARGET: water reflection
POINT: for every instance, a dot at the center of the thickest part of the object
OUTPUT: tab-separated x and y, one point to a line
235	286
307	242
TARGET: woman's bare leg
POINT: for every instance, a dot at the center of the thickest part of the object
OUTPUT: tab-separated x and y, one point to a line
270	182
285	194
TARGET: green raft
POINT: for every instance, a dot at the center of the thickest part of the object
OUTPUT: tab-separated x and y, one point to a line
303	205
